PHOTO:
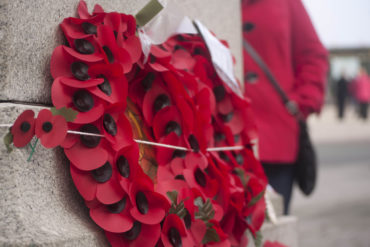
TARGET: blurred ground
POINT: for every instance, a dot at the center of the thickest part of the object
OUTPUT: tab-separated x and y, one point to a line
338	213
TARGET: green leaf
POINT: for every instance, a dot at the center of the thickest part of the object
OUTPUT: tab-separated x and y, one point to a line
210	236
148	12
68	113
256	198
241	174
205	210
258	239
8	140
173	196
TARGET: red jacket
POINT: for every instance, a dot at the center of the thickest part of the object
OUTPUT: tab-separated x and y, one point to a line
283	35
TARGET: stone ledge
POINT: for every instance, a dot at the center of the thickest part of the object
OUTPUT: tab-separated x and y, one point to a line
39	205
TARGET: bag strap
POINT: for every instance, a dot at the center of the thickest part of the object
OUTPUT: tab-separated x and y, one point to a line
291	106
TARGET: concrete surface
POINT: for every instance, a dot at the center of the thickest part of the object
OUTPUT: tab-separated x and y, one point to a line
338	213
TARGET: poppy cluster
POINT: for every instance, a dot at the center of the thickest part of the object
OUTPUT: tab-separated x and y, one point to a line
141	195
50	129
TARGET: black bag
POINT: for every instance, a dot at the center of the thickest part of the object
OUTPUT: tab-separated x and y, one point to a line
306	162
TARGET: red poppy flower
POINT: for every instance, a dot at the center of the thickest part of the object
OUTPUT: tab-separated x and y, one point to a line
114	217
159	58
126	161
113	53
89	107
139	235
88	152
182	59
117	129
50	129
113	88
273	244
198	178
167	120
69	63
155	99
100	183
149	207
174	232
23	129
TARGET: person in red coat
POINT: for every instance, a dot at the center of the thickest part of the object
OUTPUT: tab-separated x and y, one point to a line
283	35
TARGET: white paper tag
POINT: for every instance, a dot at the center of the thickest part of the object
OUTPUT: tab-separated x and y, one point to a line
221	58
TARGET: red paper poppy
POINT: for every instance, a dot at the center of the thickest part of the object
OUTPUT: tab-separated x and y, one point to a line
167	120
159	58
88	152
182	59
139	235
198	178
23	128
113	53
113	217
101	183
113	88
90	107
68	63
149	207
273	244
155	99
174	232
51	130
127	163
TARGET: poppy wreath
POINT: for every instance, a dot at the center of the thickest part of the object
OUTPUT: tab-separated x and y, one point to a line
142	195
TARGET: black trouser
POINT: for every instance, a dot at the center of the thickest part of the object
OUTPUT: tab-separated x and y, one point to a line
281	178
363	109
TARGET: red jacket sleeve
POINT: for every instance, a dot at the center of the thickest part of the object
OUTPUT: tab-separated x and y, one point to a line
310	60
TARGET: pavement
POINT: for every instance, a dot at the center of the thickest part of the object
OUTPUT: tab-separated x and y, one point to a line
338	213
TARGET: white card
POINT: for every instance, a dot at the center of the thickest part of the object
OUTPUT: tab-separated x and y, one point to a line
221	58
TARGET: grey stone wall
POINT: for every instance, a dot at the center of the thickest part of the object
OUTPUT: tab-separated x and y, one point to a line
29	32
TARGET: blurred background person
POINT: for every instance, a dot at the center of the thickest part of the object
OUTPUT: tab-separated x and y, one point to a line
342	94
361	91
283	35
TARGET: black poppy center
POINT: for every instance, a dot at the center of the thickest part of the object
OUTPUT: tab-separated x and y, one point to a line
236	138
89	28
134	232
200	177
152	59
219	92
109	54
219	137
180	177
102	174
142	202
123	166
25	126
173	126
80	71
87	140
227	117
148	81
239	159
105	86
224	156
174	237
83	46
161	102
83	100
187	219
47	127
179	154
117	207
109	124
193	143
